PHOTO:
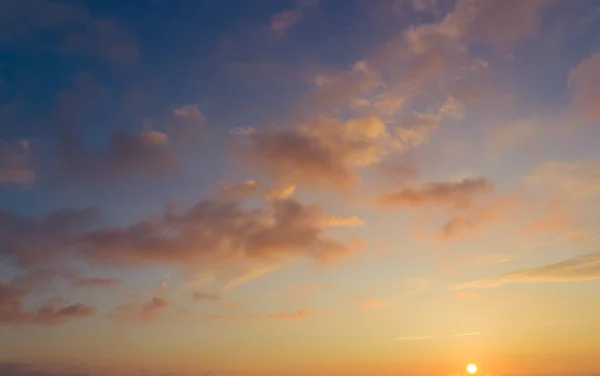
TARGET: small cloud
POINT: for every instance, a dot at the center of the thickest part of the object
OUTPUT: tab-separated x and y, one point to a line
465	294
201	296
353	221
279	193
243	130
370	304
55	314
282	22
96	282
15	163
300	314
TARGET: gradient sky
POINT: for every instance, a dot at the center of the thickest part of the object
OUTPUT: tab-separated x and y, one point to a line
302	187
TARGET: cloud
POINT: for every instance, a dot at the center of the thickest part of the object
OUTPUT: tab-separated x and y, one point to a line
300	314
218	235
370	304
475	218
584	82
155	305
201	296
252	188
36	241
467	334
15	163
577	180
188	126
96	282
485	22
249	274
249	188
322	153
581	268
54	314
146	153
459	194
352	221
30	369
151	153
415	338
76	30
13	312
135	312
282	22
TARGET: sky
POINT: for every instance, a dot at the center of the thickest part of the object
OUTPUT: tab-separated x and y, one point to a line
302	187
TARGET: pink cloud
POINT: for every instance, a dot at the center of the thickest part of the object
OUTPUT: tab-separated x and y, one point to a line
459	194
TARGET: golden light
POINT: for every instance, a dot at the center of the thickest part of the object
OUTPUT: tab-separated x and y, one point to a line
472	368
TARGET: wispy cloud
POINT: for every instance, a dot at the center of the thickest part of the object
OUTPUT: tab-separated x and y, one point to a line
581	268
467	334
415	338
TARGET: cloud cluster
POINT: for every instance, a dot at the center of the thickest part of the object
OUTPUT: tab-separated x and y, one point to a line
13	311
210	233
322	153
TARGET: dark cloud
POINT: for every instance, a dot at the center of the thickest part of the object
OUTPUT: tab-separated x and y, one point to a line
150	152
13	312
31	242
212	234
65	27
15	163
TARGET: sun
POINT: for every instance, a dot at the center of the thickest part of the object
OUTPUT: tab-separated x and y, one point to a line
472	368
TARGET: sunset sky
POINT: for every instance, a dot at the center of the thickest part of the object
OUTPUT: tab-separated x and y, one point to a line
302	187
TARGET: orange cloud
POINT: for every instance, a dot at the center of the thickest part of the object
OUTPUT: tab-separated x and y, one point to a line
217	235
322	153
453	194
300	314
252	188
370	304
465	294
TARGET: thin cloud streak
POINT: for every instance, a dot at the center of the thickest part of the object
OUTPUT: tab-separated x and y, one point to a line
412	338
581	268
467	334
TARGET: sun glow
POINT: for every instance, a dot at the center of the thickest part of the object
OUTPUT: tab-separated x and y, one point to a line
472	369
